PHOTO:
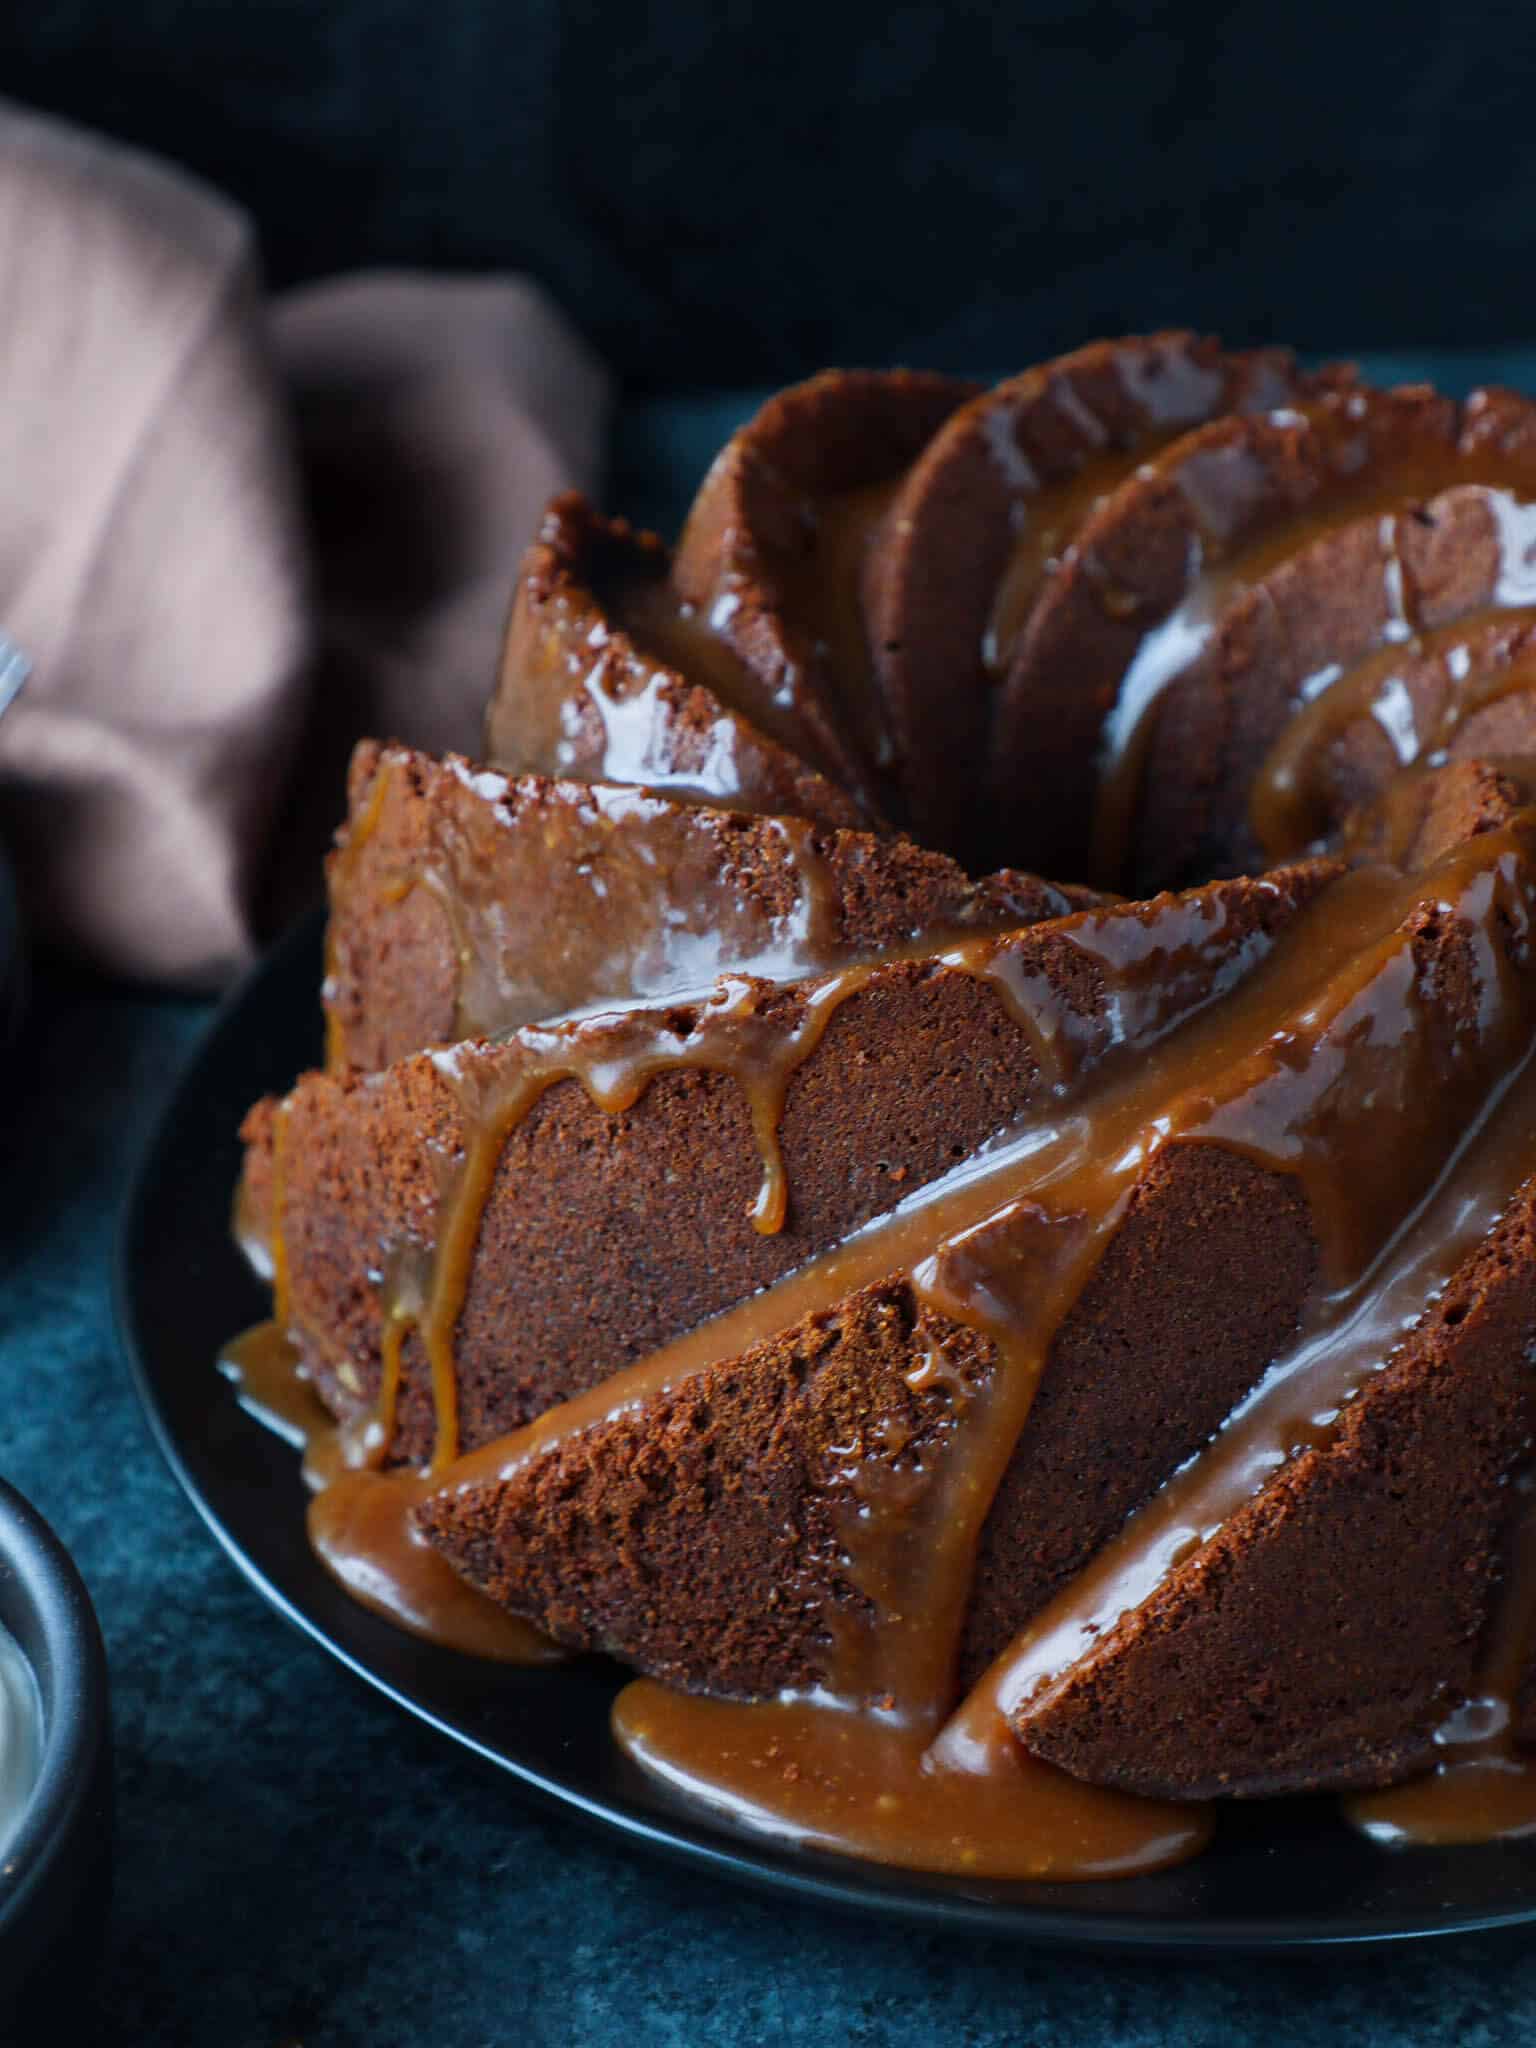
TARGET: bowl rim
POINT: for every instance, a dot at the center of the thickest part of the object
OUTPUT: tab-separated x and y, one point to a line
45	1605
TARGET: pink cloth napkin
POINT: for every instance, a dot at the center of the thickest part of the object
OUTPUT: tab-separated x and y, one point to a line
234	537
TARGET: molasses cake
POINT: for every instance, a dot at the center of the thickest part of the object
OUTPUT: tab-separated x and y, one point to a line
1010	1363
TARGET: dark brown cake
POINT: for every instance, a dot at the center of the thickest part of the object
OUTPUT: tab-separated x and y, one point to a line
590	686
983	526
1377	1551
961	1319
465	903
774	548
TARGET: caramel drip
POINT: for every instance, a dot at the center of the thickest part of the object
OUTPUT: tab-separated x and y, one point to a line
1246	530
341	871
1290	805
1484	1787
615	1063
1323	1051
666	628
910	1531
359	1519
263	1367
360	1528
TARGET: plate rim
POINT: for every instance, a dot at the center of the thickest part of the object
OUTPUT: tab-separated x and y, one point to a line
708	1846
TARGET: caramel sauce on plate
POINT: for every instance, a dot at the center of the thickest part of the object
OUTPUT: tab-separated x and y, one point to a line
360	1517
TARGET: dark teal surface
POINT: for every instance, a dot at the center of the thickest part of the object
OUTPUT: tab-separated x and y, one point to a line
299	1863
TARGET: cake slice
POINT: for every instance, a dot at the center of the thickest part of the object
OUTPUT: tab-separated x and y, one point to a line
1381	1550
607	676
690	1155
773	551
1209	591
984	524
465	903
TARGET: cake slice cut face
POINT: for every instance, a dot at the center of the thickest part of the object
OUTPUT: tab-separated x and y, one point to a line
985	522
773	551
1380	1545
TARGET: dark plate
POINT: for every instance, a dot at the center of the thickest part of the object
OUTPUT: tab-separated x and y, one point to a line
1289	1876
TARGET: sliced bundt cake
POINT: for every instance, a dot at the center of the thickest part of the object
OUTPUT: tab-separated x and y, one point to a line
1010	1353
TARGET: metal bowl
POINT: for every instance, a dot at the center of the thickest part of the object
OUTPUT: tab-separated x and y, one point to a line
55	1864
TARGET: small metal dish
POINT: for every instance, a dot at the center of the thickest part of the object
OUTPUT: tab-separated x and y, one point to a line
55	1863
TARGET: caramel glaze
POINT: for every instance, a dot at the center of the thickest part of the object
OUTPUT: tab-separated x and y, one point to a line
360	1518
1404	481
559	896
1340	1061
851	1783
1418	694
1154	575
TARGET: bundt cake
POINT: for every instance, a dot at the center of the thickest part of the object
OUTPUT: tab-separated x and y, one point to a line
1011	1363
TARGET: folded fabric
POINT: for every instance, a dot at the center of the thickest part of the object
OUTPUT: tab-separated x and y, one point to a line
233	538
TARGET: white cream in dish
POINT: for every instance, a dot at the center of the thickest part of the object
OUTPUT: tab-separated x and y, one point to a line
21	1735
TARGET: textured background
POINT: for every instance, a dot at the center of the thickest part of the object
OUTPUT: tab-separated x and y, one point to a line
728	193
